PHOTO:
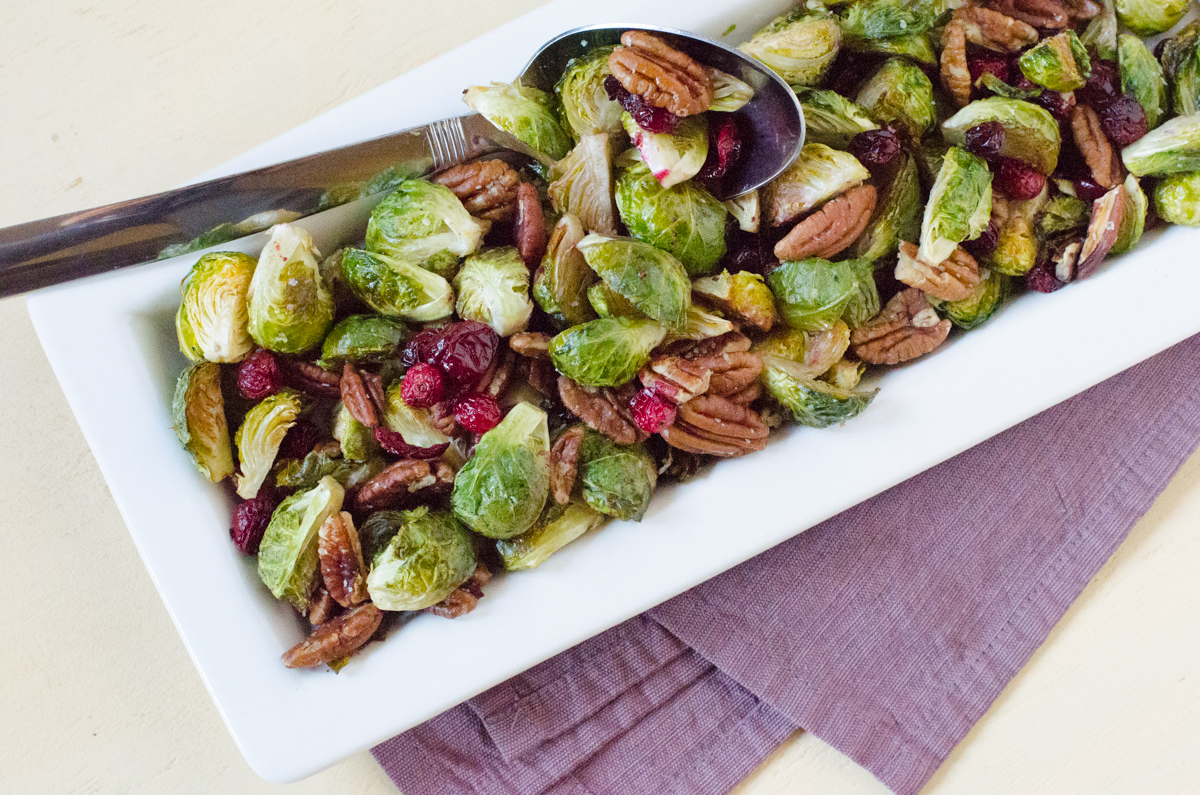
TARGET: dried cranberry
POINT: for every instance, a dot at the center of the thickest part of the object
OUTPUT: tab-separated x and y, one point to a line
258	375
1018	180
1124	120
748	251
986	140
724	146
1088	189
875	148
1041	279
394	443
478	413
986	243
651	413
420	347
422	386
250	520
851	69
1103	85
299	441
650	118
465	352
980	61
1059	105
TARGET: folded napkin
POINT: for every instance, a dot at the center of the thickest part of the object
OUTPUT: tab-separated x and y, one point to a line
886	631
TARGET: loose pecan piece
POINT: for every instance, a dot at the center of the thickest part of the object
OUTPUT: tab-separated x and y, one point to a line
340	554
564	464
405	482
530	231
714	425
663	76
732	371
531	344
357	397
603	409
335	638
1041	14
311	379
675	378
905	329
994	30
1107	214
951	280
464	598
1097	150
831	229
956	77
487	188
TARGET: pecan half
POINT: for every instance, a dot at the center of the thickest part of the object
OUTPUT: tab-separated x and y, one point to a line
603	409
531	344
658	73
340	554
564	464
487	188
831	229
905	329
714	425
357	397
951	280
530	231
374	386
956	77
311	379
1107	214
1041	14
335	638
321	607
405	482
732	371
729	342
994	30
1097	150
464	598
675	378
746	395
1082	9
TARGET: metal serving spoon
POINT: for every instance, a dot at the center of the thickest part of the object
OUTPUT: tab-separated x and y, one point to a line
67	247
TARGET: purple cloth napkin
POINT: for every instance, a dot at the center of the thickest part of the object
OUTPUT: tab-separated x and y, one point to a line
886	631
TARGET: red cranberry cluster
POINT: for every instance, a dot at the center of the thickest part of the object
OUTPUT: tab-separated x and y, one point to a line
453	362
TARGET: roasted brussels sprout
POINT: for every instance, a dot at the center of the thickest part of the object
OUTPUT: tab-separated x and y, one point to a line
814	351
899	93
702	325
1016	249
213	317
746	209
199	413
607	302
1059	63
558	526
395	287
897	214
581	184
870	20
1177	198
424	223
361	338
684	220
561	283
729	93
523	111
818	174
743	294
672	157
1030	132
799	46
290	307
1142	77
287	557
500	492
817	404
980	305
615	479
959	206
918	47
651	278
1148	17
415	425
493	288
990	82
307	472
1133	219
428	555
259	436
1063	213
1180	58
585	104
1168	149
812	293
1100	36
357	441
605	352
223	233
830	118
864	301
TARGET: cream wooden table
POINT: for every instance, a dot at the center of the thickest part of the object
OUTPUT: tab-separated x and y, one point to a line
100	103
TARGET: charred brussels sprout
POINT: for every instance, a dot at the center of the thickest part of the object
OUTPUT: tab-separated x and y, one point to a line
287	557
524	112
1148	17
672	157
1030	132
743	294
1177	199
290	306
199	414
959	206
585	104
1169	149
980	305
817	404
213	317
500	492
558	526
428	555
396	287
424	224
493	288
872	20
684	220
1133	219
415	425
581	184
561	283
653	280
259	436
830	118
799	46
605	352
357	441
899	93
812	294
729	93
615	479
361	338
1060	63
307	472
818	174
1142	77
1017	245
814	351
897	214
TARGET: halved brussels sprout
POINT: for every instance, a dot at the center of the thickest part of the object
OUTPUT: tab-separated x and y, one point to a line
1181	65
918	47
817	404
1170	148
844	374
1148	17
814	351
396	287
1100	35
1063	213
1133	219
213	317
558	526
672	157
307	472
899	93
870	20
1142	77
980	305
743	294
605	352
1030	132
799	46
615	479
199	413
493	288
524	112
812	293
427	557
652	279
581	184
1059	63
361	338
818	174
424	223
1177	199
897	214
830	118
357	441
290	306
259	436
959	206
729	93
684	220
561	282
287	556
1016	249
746	209
585	104
500	492
990	82
223	233
702	325
415	425
864	301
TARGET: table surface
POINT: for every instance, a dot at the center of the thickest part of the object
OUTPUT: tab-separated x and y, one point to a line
103	102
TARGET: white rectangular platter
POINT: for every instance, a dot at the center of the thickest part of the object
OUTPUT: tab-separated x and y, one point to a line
111	342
